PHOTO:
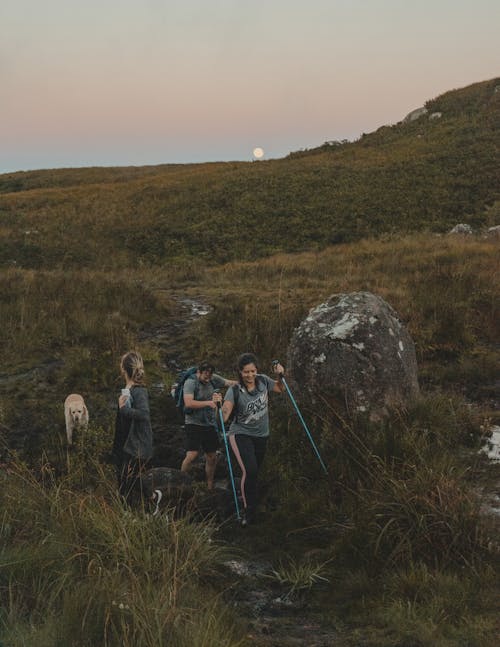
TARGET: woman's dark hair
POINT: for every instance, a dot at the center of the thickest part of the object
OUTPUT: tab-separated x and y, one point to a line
247	358
243	360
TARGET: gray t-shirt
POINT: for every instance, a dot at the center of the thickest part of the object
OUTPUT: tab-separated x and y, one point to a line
251	414
200	391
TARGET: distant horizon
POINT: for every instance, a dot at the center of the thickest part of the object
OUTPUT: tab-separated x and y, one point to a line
189	82
249	158
193	160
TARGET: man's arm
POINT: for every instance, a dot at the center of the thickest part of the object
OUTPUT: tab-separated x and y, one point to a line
191	403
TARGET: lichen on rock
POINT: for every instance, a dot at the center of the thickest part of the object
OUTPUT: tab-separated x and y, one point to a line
355	351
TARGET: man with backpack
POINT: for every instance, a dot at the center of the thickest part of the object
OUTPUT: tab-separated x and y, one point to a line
200	417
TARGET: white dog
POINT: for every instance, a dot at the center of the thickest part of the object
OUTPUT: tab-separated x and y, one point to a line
76	415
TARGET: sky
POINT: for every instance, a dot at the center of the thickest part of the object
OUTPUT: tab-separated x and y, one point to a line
139	82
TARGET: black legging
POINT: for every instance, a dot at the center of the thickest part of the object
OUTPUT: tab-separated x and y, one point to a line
130	485
249	452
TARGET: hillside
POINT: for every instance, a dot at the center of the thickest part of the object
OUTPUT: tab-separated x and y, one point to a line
426	174
398	543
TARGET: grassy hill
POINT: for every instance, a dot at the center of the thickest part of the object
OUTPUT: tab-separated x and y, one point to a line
426	174
393	546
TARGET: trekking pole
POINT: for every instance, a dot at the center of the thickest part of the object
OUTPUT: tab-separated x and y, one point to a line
282	377
228	458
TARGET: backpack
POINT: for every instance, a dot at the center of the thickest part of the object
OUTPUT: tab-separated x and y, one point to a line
177	390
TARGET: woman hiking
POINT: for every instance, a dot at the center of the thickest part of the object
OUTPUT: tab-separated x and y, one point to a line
249	429
133	443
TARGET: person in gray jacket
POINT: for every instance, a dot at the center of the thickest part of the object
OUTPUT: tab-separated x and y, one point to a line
133	445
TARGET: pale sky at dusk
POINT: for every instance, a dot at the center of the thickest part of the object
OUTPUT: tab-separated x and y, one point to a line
135	82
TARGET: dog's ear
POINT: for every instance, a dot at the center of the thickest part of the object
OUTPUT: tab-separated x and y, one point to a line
85	410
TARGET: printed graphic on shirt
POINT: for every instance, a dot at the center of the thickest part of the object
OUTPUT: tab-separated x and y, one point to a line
252	415
255	409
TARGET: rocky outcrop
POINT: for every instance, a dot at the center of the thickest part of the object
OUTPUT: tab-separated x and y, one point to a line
462	229
415	114
353	351
493	232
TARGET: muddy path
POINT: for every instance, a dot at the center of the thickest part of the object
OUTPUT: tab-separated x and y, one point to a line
170	338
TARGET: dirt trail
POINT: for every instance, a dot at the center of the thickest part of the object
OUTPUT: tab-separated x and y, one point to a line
272	618
169	337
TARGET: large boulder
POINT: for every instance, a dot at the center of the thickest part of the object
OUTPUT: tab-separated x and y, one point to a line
353	351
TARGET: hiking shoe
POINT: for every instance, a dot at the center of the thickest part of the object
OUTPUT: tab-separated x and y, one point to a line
247	517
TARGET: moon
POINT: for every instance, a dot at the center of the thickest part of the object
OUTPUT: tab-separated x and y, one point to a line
258	152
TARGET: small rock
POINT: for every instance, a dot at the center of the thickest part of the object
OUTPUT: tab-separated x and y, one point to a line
462	229
493	232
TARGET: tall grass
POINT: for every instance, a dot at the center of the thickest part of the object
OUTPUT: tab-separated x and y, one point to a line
51	311
395	531
425	607
78	569
402	484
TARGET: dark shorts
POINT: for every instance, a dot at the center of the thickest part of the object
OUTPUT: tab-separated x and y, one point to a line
201	436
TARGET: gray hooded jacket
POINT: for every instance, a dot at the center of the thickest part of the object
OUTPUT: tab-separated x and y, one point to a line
139	443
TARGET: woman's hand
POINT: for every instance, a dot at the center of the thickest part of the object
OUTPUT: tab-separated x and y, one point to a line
278	369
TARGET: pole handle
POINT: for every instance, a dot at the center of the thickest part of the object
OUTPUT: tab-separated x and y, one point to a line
274	364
